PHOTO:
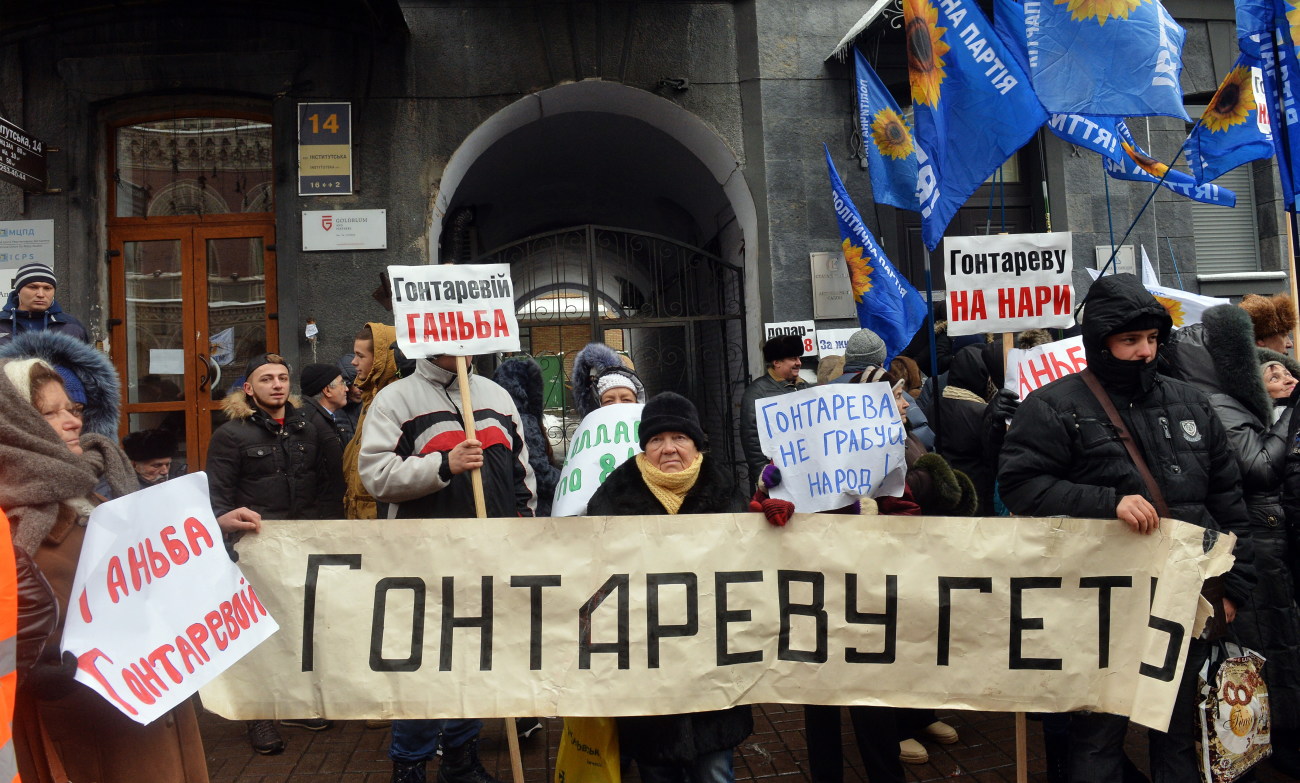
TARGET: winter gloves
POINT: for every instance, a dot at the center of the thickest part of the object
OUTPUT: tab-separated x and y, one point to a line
777	511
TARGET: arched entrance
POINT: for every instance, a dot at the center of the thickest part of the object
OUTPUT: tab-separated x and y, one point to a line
626	219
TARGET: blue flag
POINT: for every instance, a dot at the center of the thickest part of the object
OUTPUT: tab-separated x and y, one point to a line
887	304
1119	59
1281	88
1254	22
1233	130
891	156
973	106
1136	165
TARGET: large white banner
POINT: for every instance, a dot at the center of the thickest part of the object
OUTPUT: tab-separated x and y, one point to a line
1008	282
454	309
1033	368
158	609
609	616
606	438
834	444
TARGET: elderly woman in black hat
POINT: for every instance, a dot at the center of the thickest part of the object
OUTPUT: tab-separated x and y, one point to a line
673	475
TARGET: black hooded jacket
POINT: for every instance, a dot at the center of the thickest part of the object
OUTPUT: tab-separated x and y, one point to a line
1062	456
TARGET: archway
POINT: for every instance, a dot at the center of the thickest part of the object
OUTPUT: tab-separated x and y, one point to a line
625	219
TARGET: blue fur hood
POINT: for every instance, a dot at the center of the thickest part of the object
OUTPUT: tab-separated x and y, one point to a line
92	368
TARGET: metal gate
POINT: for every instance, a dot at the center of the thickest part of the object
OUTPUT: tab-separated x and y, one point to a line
676	311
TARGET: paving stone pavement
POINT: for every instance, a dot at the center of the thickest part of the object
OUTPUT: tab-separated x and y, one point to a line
351	753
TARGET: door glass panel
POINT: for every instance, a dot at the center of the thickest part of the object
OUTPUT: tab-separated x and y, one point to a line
155	360
173	422
236	309
193	166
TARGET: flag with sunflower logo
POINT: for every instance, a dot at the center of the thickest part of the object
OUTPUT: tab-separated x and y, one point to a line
1278	64
887	139
1232	130
887	304
1118	58
973	105
1136	165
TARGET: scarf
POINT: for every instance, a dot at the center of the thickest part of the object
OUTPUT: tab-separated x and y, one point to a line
38	472
669	488
951	392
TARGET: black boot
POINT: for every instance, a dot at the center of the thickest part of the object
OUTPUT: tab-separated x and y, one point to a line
404	772
461	765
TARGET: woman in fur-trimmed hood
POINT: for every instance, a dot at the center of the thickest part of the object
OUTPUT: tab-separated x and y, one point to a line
597	361
1219	356
522	380
79	364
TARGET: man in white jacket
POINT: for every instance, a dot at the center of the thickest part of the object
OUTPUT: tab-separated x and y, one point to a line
415	457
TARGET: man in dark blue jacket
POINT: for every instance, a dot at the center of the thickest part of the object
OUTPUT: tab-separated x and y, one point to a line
31	306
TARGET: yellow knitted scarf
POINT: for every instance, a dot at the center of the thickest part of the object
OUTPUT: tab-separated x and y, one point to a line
669	488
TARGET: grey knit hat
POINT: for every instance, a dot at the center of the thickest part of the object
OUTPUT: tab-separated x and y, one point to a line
865	348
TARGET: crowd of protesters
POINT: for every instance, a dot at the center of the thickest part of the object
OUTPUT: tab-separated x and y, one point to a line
1194	424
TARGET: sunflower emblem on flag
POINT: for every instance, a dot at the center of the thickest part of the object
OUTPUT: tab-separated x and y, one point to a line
1147	163
1101	10
859	270
891	135
925	51
1174	308
1232	103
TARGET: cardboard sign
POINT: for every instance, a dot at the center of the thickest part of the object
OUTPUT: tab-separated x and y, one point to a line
454	309
1036	367
1008	282
606	438
834	444
158	609
609	616
804	330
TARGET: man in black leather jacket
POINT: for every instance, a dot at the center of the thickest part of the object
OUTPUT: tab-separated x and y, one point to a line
1062	456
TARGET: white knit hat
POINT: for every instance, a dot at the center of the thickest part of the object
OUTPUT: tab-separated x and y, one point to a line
613	380
19	373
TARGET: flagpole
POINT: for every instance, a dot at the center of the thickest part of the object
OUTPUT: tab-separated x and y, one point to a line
934	354
1114	251
1290	268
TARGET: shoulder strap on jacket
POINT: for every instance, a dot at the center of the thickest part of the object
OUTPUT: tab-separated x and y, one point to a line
1107	405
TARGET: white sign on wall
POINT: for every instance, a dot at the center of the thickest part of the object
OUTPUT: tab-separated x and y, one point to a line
833	342
345	229
832	289
23	242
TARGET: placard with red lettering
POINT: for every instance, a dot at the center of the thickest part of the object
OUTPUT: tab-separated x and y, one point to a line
1008	282
1036	367
158	609
454	309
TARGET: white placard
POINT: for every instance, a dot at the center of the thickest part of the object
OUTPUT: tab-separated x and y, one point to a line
345	229
23	242
833	342
167	361
454	309
1033	368
1125	259
1008	282
606	438
158	609
804	330
834	444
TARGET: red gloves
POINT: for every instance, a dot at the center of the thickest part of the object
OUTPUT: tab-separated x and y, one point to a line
777	511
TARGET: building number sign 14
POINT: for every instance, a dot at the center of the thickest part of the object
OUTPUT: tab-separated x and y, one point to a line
324	149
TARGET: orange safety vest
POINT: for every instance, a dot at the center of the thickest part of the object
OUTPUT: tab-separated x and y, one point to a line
8	654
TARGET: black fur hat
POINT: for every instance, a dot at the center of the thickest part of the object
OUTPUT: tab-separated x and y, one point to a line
147	445
783	346
671	412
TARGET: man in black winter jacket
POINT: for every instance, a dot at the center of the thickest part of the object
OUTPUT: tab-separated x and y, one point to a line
268	457
1062	456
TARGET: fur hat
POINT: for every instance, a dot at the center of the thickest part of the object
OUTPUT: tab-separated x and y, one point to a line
147	445
592	363
864	349
315	377
1272	315
671	412
1032	338
783	346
